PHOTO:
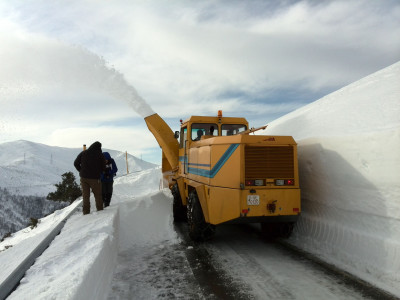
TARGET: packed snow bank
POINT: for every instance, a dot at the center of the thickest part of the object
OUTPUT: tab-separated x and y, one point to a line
80	262
149	210
137	184
349	160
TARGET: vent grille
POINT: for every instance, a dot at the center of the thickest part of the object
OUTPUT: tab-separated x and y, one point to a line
269	162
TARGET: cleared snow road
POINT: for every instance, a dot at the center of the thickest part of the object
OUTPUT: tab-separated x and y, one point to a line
272	270
157	260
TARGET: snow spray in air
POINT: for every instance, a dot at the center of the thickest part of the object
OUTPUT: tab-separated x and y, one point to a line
119	88
94	73
44	64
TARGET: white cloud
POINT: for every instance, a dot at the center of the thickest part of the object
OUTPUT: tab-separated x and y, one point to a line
184	58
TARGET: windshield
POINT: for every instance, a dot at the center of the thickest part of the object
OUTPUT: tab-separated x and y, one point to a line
206	129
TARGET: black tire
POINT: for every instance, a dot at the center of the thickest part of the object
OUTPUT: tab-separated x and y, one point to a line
178	209
268	230
277	230
199	230
286	230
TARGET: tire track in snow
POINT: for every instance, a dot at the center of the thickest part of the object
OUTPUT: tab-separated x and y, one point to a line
212	278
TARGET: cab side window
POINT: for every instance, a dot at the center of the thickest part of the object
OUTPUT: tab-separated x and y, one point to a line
197	134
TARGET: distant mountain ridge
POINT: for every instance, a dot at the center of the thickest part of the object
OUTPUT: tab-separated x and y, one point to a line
28	168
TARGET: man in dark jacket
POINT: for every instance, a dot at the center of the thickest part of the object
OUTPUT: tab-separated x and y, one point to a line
91	163
107	179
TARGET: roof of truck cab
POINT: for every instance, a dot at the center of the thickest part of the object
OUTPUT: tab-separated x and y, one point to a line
207	119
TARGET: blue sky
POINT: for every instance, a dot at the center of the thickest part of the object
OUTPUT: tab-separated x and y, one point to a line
70	70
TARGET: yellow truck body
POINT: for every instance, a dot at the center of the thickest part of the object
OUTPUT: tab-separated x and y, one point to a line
226	174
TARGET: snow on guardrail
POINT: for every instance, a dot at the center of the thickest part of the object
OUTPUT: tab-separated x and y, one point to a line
33	247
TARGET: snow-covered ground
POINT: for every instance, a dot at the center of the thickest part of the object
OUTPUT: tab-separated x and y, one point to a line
349	159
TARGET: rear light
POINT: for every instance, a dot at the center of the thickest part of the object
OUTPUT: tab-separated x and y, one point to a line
255	182
281	182
296	209
262	182
259	182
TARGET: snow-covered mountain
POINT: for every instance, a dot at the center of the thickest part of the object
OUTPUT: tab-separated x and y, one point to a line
28	168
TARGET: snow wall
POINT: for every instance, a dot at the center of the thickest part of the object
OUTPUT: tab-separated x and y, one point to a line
349	163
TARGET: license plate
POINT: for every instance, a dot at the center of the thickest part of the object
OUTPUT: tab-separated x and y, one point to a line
253	200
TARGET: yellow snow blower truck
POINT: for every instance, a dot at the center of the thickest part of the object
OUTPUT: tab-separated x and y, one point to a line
219	172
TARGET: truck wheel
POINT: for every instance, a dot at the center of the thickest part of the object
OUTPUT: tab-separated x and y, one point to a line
178	209
199	230
286	229
269	230
277	230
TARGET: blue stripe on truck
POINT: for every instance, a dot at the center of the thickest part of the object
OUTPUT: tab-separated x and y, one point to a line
211	173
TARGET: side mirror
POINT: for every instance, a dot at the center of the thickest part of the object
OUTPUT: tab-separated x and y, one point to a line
176	135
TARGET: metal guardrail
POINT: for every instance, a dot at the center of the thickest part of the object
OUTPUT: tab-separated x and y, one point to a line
12	281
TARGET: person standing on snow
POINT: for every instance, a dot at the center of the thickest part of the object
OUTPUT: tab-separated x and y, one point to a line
91	163
107	179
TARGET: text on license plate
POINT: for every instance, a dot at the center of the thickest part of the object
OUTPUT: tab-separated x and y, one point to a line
253	199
